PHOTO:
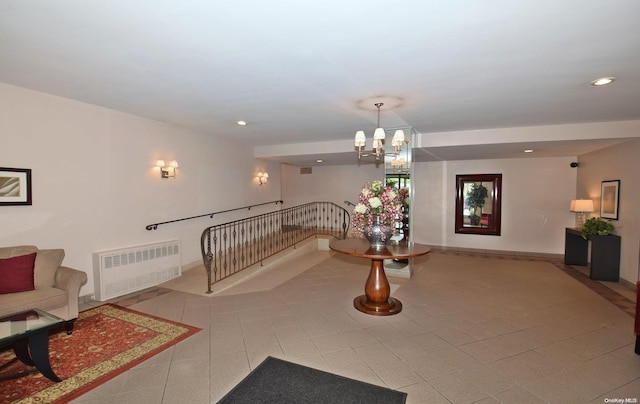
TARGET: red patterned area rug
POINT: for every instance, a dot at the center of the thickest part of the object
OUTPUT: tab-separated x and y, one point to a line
106	341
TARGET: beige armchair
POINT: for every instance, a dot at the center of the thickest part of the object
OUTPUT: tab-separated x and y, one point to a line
56	288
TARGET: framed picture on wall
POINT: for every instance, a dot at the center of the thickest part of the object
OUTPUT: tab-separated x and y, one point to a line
15	186
610	199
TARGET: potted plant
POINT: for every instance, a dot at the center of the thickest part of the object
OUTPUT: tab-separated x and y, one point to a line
476	198
597	226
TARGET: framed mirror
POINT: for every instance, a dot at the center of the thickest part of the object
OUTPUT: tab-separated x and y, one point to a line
478	203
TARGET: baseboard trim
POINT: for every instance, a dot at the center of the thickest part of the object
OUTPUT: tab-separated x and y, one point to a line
499	252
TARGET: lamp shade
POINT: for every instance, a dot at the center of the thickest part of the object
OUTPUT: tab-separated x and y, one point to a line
379	134
360	139
398	138
581	205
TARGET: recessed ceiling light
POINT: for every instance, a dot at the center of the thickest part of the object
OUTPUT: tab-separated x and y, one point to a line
528	151
319	161
603	81
242	123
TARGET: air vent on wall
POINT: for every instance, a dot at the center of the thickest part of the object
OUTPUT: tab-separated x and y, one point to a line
305	170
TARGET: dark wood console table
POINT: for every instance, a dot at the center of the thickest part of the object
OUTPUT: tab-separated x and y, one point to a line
605	254
377	300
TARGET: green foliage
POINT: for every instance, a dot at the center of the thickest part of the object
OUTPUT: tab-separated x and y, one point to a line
597	226
476	196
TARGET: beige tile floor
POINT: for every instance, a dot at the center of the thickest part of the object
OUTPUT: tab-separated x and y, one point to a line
473	329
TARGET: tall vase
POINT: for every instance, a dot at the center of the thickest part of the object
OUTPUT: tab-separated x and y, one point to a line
378	233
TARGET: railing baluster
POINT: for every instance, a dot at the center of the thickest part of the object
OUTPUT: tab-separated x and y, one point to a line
231	247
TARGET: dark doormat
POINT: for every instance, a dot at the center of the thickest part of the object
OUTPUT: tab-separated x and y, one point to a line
278	381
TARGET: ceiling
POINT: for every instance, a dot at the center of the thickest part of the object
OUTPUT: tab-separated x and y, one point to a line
308	72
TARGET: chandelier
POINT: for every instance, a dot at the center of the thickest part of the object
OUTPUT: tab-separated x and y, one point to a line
377	150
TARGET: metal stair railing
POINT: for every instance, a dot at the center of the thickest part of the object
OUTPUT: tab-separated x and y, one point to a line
231	247
154	226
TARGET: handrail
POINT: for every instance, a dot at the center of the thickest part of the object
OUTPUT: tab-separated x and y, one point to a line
229	248
155	225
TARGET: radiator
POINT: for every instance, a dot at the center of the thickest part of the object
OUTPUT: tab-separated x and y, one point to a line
127	270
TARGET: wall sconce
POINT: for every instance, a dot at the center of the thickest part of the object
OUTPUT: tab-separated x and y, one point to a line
263	177
581	206
167	171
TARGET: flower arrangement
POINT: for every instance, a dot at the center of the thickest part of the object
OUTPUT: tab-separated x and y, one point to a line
376	199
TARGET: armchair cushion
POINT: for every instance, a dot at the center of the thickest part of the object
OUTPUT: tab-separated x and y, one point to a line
16	274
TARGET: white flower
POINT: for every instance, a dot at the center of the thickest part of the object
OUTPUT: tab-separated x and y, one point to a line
375	202
376	186
360	208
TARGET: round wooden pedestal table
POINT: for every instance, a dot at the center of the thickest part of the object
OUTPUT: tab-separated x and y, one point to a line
376	299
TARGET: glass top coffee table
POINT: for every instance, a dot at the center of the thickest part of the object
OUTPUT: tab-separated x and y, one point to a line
27	332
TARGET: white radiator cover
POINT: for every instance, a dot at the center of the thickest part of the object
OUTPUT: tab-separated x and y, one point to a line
127	270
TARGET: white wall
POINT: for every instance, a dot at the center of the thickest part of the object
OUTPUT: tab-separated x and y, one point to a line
327	183
536	193
95	186
619	162
535	206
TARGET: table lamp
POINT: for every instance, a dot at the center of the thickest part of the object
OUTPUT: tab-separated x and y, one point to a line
581	206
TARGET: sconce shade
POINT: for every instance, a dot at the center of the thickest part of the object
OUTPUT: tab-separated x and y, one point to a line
262	177
581	205
167	171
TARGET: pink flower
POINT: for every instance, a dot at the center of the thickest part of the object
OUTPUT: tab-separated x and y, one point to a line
377	199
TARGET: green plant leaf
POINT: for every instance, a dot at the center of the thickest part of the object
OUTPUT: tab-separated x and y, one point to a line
597	226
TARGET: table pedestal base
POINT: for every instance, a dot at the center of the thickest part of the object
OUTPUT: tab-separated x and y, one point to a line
390	307
376	300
